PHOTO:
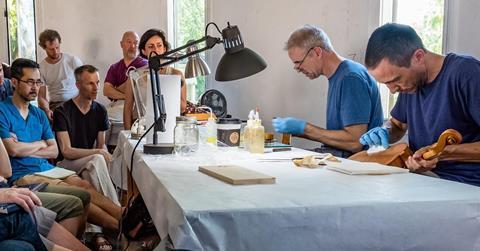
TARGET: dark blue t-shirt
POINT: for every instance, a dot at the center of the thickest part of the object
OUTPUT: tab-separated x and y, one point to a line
35	128
452	100
353	98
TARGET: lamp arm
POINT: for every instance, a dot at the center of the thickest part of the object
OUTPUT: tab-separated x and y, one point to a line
216	26
168	57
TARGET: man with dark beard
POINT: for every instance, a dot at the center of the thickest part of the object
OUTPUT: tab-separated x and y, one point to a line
437	92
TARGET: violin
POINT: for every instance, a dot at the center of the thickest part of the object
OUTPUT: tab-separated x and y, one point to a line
398	154
448	137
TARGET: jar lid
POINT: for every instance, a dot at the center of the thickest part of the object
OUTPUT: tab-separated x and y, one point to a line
229	121
185	119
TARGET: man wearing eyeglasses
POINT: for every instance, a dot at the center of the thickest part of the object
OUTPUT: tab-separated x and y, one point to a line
26	133
353	105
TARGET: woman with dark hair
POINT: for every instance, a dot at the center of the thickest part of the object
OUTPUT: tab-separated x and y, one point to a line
153	40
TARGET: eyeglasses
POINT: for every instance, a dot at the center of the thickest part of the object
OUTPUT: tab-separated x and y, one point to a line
297	67
32	82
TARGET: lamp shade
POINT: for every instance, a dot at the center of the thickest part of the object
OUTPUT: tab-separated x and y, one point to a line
196	67
241	64
238	61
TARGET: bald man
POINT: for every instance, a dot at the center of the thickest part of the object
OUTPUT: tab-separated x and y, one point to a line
117	79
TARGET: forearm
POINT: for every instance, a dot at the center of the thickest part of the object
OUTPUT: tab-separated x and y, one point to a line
112	92
127	108
183	98
5	167
73	153
43	103
468	152
396	131
127	119
341	139
48	152
42	98
22	149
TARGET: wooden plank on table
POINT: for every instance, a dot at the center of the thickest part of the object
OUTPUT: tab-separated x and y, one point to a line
236	175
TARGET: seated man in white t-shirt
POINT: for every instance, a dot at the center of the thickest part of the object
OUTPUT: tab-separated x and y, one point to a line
56	71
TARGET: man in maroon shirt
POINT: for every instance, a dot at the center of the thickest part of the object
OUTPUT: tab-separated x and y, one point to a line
117	79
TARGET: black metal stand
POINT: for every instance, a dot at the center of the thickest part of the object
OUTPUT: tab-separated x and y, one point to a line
159	114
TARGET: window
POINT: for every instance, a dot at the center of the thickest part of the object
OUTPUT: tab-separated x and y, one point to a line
21	29
189	24
426	17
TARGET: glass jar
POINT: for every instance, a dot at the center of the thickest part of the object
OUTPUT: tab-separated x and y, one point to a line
185	135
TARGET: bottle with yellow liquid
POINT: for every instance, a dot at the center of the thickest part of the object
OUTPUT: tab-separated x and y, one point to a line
247	131
257	136
211	131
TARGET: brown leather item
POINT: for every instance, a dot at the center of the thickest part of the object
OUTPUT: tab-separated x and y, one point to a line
396	155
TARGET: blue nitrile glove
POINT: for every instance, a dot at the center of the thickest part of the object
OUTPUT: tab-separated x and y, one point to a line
376	136
289	125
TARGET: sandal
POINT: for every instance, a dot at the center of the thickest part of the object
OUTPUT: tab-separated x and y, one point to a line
150	242
100	243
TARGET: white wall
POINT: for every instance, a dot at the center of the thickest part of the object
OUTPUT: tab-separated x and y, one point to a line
462	24
265	27
92	29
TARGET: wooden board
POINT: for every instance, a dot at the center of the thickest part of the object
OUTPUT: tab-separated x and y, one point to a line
236	175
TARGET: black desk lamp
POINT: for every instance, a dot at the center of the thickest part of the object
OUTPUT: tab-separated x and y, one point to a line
237	62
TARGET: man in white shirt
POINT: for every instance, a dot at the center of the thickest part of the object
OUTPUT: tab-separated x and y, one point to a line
57	72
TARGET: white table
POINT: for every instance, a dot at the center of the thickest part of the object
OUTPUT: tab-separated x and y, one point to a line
307	209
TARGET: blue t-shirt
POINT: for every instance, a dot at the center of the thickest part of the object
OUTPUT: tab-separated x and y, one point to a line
6	89
353	98
35	128
452	100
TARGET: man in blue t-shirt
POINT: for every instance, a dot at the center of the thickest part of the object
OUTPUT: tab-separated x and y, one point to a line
353	102
29	141
437	92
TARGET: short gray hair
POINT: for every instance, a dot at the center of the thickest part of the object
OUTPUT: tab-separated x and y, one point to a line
307	37
84	68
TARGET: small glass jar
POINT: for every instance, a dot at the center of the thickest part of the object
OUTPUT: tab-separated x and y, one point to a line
185	135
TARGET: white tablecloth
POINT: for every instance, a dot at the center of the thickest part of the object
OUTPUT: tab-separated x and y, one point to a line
307	209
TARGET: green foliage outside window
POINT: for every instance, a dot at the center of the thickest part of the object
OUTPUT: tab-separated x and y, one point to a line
12	28
190	25
21	29
430	29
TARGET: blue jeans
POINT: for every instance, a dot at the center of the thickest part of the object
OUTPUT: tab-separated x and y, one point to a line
16	245
19	232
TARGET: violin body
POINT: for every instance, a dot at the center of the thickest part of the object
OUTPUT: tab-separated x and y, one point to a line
397	155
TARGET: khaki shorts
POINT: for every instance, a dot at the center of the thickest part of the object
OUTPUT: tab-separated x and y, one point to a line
66	200
64	205
32	178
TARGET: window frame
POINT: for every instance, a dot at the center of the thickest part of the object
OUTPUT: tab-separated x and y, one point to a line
8	47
